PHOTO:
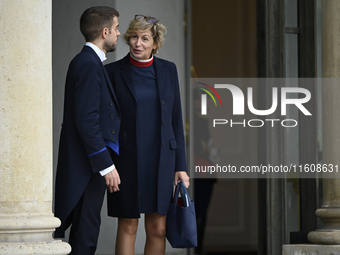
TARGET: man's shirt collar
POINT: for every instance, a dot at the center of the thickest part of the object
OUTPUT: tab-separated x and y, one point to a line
98	51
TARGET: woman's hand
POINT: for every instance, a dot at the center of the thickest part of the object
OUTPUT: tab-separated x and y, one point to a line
183	177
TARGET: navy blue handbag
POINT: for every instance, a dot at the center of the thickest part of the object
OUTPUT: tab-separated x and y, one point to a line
181	228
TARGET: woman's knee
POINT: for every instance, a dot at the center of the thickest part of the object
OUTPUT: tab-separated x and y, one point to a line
128	226
155	227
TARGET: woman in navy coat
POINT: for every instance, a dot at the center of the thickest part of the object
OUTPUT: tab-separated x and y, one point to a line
152	148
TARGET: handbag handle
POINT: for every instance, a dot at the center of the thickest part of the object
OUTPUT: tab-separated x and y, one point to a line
184	193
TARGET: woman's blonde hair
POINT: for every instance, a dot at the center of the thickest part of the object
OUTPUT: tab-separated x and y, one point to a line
143	24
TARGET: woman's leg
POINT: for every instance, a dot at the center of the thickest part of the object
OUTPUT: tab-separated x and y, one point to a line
126	236
155	234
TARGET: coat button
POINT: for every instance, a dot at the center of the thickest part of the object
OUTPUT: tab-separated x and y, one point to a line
111	116
163	122
162	102
113	131
163	143
111	103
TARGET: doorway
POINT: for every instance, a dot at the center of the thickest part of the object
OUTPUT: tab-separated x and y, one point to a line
223	45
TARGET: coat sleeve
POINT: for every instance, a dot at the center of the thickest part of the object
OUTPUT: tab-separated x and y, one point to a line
177	125
87	99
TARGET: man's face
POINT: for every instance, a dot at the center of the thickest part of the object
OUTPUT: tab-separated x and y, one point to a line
111	40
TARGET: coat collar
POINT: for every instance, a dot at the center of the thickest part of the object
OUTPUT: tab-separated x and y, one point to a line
90	50
126	71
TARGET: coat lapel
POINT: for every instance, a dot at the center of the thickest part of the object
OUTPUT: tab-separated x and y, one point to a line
126	72
160	75
109	84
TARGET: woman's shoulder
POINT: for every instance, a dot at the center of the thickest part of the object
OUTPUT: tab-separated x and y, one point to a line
117	63
164	62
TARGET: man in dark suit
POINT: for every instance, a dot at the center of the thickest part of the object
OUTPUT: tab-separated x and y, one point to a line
89	134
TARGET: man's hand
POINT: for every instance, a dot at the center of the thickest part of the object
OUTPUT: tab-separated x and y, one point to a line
183	177
112	181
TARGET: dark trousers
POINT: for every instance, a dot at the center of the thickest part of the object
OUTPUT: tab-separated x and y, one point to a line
86	218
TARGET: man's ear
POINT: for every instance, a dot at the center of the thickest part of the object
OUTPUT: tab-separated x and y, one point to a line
105	32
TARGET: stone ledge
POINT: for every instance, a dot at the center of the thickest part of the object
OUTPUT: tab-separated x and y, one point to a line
310	249
56	247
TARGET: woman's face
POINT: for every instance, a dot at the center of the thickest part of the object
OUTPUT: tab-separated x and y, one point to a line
142	44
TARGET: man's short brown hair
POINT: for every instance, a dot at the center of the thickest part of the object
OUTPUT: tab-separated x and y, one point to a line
95	19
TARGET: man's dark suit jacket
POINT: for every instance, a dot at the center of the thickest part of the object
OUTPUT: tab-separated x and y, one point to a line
91	117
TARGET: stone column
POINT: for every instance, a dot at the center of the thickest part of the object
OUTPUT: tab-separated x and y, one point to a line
26	218
329	213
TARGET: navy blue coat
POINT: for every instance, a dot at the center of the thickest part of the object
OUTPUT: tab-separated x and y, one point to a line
125	203
91	115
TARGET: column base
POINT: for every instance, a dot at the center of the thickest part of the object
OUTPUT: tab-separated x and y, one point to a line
56	247
328	237
310	249
30	234
330	233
